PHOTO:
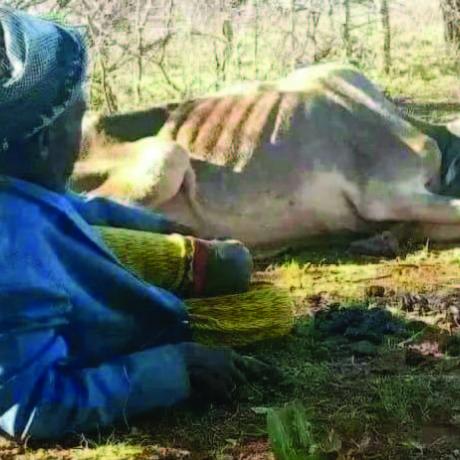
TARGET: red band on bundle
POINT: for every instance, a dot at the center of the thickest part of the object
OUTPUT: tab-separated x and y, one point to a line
200	262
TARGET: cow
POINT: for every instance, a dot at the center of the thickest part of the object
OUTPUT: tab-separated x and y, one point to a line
321	153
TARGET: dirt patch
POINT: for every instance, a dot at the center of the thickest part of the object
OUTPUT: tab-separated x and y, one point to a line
441	308
258	449
431	434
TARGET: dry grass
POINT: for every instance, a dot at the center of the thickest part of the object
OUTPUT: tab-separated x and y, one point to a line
345	278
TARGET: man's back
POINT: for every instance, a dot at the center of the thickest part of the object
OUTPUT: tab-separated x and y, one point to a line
68	305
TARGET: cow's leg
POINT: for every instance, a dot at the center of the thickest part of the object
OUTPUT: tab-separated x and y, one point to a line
438	233
148	171
176	177
423	216
387	244
422	208
189	188
151	172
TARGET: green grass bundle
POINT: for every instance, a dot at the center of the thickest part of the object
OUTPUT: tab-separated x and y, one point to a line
241	319
235	320
162	260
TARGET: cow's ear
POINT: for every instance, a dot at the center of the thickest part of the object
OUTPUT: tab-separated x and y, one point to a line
452	171
454	127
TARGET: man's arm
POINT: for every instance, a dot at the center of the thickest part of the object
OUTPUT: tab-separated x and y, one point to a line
105	212
80	400
43	396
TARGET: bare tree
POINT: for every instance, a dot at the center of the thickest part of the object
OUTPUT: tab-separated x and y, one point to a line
385	18
143	9
256	38
100	37
222	58
144	51
347	29
313	18
330	14
451	17
124	35
23	4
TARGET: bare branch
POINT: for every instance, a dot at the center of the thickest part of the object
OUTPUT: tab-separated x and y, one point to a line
24	4
168	79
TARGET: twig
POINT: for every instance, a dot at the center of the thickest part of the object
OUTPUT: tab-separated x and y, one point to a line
360	280
167	78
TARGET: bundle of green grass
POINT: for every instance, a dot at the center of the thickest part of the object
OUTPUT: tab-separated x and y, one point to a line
242	319
233	312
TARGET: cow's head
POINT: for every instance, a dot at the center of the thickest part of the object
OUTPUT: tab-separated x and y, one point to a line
451	159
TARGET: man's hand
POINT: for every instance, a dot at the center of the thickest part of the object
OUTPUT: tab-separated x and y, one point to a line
215	373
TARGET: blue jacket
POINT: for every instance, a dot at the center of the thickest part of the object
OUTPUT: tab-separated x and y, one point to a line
83	341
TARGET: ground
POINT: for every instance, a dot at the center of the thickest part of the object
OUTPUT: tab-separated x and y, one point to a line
371	370
358	382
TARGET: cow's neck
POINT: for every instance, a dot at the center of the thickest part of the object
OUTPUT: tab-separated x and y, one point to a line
437	132
443	137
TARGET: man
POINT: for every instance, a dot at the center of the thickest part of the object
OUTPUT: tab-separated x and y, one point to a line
84	343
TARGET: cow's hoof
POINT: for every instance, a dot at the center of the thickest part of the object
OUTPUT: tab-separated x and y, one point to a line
382	245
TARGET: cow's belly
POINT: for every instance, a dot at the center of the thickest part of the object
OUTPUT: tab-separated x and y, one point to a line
304	205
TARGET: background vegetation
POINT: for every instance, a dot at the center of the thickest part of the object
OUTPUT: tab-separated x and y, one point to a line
148	51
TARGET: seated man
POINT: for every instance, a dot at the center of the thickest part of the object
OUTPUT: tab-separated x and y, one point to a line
83	342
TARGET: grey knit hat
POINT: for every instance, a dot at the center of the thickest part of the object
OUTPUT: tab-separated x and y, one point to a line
42	71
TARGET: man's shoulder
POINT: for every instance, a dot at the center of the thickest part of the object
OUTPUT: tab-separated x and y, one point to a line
27	201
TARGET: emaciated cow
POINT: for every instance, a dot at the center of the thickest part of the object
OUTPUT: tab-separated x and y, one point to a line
321	152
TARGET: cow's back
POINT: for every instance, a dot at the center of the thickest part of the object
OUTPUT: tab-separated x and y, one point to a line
276	164
327	100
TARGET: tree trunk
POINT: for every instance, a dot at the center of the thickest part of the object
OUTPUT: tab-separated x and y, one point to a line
451	17
256	39
140	53
346	29
293	30
110	99
330	14
385	18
